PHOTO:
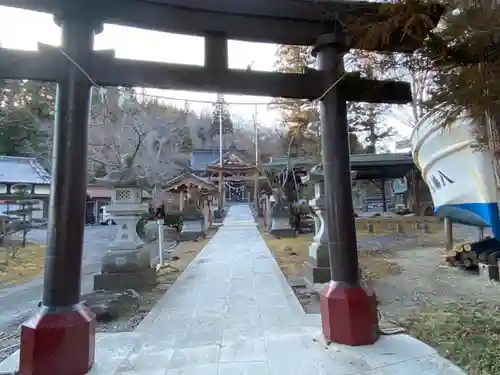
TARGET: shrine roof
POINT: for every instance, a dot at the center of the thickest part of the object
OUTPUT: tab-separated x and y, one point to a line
381	166
281	162
17	169
201	159
386	160
188	178
367	166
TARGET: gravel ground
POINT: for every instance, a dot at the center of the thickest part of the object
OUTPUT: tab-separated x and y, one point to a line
9	343
424	279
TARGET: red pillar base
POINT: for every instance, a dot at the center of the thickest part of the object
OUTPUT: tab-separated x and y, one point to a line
58	343
349	314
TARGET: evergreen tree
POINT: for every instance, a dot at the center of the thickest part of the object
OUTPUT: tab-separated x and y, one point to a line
221	108
185	140
301	117
368	119
24	212
458	64
26	115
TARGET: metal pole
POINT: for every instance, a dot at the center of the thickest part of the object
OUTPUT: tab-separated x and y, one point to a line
221	177
384	202
481	233
256	133
160	241
256	182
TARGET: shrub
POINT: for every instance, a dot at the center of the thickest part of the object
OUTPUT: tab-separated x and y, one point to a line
173	220
219	214
140	227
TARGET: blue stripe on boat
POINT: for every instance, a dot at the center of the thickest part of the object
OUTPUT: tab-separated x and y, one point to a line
475	214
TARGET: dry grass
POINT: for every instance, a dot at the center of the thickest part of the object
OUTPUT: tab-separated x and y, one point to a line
466	333
377	265
26	264
291	253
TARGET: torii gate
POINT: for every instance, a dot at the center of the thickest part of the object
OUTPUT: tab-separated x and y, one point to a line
60	338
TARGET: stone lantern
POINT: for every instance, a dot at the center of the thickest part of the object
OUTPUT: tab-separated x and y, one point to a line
127	262
317	267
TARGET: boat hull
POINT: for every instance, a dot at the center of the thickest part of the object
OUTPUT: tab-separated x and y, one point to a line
461	177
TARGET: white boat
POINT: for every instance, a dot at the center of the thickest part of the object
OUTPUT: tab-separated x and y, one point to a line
462	178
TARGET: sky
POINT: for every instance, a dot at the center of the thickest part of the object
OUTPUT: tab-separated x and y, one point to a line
140	44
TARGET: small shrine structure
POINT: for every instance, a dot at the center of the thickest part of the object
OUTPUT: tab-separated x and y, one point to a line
235	172
196	195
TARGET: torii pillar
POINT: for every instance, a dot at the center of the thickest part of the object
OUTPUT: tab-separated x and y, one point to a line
348	308
60	338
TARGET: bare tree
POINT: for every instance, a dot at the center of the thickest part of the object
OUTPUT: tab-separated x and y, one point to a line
150	132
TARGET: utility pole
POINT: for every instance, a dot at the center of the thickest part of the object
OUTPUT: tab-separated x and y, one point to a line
256	141
221	177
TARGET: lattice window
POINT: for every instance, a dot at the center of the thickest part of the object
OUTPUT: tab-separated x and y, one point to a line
123	195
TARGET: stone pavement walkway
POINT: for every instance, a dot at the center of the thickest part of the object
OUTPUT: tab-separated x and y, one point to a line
233	313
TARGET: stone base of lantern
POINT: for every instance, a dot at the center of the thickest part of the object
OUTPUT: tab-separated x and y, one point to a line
314	274
130	269
120	281
193	227
280	225
192	230
317	266
126	260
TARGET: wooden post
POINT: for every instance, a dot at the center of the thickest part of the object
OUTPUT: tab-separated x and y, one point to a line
348	308
181	201
481	234
448	230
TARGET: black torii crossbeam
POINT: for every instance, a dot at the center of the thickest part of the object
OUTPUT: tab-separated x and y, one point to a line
60	338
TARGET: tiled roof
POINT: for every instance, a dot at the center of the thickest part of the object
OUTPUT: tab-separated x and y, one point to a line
281	162
201	158
17	169
357	160
187	177
373	160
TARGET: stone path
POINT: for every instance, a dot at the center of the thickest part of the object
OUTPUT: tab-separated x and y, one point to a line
233	313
